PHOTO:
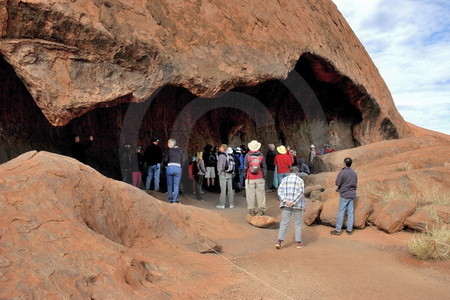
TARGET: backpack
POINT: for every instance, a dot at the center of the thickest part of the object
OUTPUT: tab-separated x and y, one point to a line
254	164
229	164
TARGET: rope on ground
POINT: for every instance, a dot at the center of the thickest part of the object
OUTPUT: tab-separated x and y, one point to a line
247	272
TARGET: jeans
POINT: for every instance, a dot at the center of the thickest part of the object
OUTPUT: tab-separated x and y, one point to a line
345	203
286	213
173	183
153	171
226	187
281	176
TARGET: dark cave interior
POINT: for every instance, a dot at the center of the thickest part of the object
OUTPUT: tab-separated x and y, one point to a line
313	105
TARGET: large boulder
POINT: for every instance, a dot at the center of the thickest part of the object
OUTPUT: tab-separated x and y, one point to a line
421	221
312	211
67	231
74	56
392	217
363	208
310	188
377	209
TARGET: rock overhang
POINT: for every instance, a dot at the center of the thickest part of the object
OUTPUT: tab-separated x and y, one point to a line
75	56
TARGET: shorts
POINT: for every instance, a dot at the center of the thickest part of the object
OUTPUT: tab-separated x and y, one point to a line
210	172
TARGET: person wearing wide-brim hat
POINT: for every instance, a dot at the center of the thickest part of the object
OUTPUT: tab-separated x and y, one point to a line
255	174
283	161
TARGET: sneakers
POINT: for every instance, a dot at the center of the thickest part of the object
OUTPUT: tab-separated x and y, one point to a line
220	206
232	206
349	232
278	245
299	245
335	232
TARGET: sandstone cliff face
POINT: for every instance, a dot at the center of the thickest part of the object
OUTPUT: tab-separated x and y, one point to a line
74	56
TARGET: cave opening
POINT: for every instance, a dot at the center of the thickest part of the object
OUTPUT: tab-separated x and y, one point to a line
313	105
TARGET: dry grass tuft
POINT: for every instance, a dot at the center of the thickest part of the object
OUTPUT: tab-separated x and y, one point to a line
432	245
405	166
432	194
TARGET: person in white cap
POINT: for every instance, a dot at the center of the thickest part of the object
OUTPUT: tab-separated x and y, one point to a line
255	184
312	157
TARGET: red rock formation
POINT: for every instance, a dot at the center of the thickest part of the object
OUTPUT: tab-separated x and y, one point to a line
66	230
74	56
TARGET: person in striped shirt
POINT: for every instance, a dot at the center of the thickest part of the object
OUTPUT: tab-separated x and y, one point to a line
292	202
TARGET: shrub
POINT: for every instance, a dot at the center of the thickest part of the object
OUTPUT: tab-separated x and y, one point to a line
432	245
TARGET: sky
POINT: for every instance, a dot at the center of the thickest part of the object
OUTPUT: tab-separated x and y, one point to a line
409	42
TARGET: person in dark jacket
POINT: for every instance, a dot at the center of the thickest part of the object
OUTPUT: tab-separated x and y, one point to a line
270	158
126	163
137	167
78	148
173	159
153	157
304	169
347	182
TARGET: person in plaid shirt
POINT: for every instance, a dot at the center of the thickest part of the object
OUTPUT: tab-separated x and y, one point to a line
292	202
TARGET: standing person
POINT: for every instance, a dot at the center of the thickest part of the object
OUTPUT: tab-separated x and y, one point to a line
193	174
270	158
347	183
225	167
312	158
153	157
240	168
255	172
137	165
292	202
283	161
200	175
173	159
126	163
210	160
78	149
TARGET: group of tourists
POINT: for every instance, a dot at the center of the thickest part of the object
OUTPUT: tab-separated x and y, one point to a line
243	167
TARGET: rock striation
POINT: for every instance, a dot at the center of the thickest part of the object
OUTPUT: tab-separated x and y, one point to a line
74	56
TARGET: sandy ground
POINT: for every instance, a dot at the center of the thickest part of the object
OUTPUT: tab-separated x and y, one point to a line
367	265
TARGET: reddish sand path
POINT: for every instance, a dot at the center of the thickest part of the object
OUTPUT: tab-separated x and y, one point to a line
369	264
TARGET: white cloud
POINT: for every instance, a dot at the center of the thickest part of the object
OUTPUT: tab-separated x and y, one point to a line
409	42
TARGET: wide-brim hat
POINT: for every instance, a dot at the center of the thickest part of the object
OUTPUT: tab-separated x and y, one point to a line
230	150
281	149
254	145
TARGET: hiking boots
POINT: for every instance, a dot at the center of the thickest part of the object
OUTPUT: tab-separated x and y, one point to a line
335	232
252	212
299	245
349	232
261	212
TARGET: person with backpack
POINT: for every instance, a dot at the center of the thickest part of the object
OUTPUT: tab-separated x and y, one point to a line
225	169
255	174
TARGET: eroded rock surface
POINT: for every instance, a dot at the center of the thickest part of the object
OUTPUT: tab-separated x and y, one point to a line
74	56
66	230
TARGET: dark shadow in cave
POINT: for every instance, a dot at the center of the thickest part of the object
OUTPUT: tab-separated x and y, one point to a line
288	103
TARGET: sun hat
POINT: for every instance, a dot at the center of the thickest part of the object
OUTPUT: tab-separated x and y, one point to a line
238	149
230	150
281	149
254	145
312	147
